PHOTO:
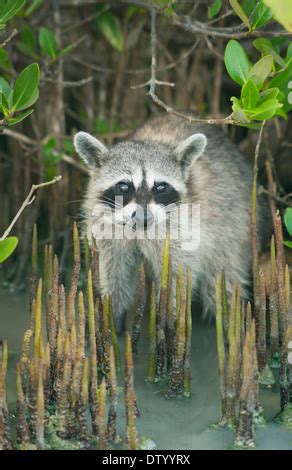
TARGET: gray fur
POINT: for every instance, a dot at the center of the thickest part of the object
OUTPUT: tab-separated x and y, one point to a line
220	181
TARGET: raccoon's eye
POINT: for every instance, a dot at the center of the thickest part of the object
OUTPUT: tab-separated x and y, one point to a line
161	187
123	186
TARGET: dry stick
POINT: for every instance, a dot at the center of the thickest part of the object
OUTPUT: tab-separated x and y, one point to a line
273	303
244	432
87	260
34	265
29	200
177	378
231	369
140	302
188	345
114	338
284	392
25	358
112	415
161	314
224	308
60	342
83	405
130	400
22	433
75	390
101	415
238	341
254	235
170	327
261	340
95	270
221	347
63	402
151	371
5	443
52	324
74	277
40	408
98	331
81	324
93	359
106	334
32	398
288	339
38	323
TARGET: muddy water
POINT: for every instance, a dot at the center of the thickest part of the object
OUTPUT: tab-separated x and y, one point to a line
172	424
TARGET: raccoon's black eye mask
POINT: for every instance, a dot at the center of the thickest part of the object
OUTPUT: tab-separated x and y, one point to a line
124	189
165	194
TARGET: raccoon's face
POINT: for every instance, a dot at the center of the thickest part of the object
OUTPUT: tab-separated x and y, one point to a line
138	183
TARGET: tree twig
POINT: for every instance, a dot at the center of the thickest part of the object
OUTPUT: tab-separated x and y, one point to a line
28	200
7	40
153	82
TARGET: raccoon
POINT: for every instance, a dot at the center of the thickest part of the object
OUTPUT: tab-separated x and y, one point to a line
142	183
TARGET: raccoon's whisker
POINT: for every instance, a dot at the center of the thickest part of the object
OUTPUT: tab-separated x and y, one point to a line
71	202
108	200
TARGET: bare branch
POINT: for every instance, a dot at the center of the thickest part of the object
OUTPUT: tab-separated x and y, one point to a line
11	36
153	82
29	200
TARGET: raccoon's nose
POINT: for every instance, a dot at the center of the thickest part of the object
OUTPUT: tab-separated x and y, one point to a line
143	218
148	219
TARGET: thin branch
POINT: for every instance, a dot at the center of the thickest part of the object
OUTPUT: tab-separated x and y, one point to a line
153	82
27	140
7	40
282	200
68	84
29	200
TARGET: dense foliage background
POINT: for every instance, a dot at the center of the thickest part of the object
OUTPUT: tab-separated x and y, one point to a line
75	64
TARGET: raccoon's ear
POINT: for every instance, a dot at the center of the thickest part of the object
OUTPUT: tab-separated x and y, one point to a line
190	149
90	149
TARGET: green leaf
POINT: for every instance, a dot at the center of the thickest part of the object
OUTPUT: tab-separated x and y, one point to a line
11	8
265	111
15	120
236	62
7	247
282	12
28	44
25	88
48	42
66	50
5	88
4	105
261	70
261	15
35	4
288	244
289	52
282	81
280	112
249	95
269	94
240	117
4	59
239	11
259	43
288	220
277	58
111	28
214	9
